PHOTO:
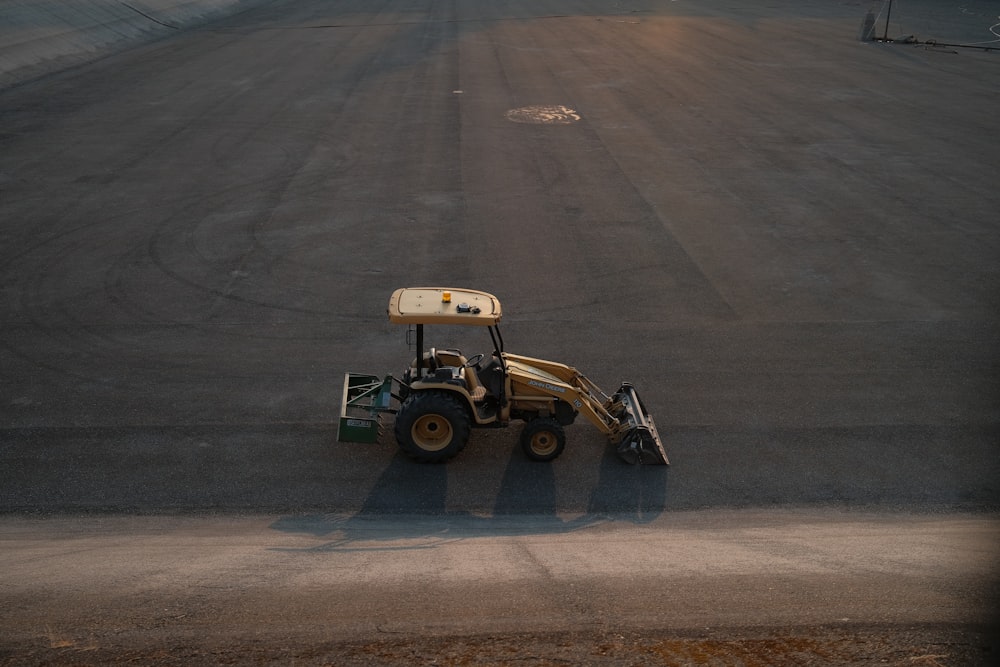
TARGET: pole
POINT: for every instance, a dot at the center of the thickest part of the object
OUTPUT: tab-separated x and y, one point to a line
420	348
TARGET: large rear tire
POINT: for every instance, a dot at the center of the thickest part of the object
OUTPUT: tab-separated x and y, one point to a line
432	426
543	439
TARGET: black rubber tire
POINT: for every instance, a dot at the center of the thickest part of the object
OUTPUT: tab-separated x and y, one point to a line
432	426
543	439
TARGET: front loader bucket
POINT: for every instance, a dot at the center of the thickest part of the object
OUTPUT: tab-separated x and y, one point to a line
640	442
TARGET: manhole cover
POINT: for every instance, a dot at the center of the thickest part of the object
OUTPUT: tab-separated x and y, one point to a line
544	115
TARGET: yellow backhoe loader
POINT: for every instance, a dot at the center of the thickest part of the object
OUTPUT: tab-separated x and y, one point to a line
442	395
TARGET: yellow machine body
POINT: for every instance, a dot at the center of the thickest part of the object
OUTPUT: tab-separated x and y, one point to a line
443	394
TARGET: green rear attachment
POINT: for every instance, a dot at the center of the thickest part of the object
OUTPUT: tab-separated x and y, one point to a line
365	398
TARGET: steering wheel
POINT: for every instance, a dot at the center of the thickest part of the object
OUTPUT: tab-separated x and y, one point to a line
473	360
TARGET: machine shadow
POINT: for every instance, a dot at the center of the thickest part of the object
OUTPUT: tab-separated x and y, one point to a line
636	493
409	502
405	487
526	488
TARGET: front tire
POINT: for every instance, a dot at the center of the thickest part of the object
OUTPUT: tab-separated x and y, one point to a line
432	426
543	439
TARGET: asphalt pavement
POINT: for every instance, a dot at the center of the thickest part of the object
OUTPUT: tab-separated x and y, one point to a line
785	238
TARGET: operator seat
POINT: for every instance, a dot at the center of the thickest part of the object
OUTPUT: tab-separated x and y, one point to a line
435	359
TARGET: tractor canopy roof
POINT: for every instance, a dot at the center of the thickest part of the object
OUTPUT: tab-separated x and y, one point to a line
443	305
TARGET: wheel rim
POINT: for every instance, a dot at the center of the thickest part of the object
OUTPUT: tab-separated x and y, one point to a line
544	443
432	432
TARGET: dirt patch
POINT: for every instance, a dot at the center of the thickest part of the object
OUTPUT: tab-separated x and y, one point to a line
934	646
